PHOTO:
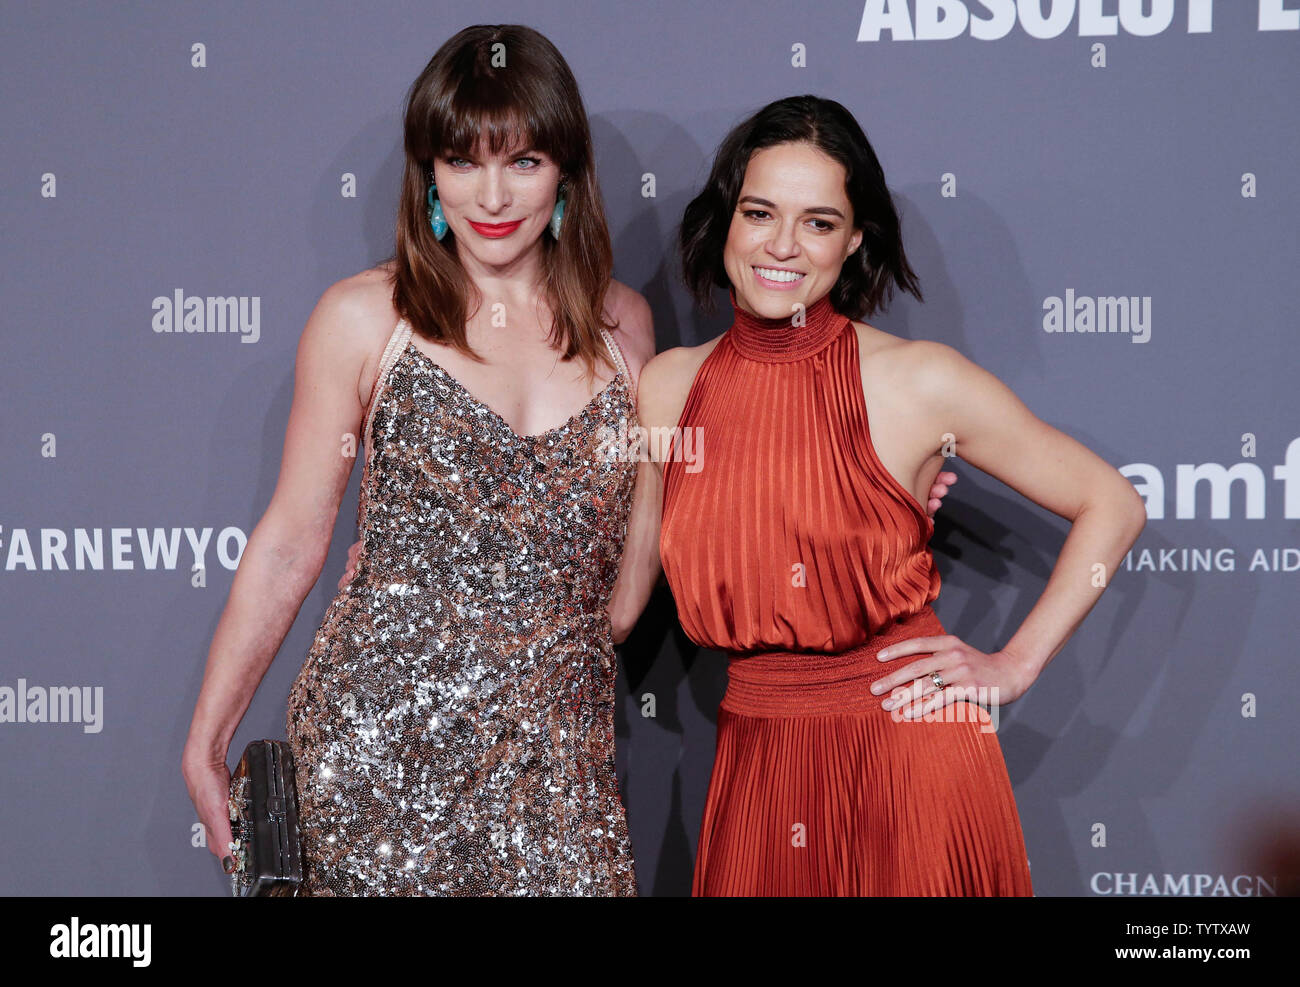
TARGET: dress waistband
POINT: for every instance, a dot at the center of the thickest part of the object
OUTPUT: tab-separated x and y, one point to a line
799	683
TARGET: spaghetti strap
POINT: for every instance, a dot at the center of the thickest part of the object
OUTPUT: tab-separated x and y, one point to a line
617	352
397	341
399	337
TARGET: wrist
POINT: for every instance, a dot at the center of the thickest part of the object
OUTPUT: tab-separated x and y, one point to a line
1026	664
205	750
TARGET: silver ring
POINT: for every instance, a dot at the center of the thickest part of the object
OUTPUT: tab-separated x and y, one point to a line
937	679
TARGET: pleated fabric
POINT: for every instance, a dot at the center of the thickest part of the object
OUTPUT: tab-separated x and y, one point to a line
783	530
788	546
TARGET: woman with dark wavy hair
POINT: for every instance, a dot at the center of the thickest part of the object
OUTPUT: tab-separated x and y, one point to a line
452	725
794	538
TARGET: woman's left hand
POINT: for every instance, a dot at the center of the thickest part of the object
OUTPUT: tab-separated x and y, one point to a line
964	671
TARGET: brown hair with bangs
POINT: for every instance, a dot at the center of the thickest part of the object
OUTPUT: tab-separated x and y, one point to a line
460	99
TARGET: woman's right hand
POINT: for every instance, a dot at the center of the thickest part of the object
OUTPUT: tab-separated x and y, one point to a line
209	786
351	570
287	550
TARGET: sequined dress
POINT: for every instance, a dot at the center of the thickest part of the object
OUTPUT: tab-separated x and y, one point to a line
452	725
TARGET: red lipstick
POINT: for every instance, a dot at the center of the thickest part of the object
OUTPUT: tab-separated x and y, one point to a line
495	231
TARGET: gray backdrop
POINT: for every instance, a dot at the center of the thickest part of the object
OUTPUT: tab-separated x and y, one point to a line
1075	159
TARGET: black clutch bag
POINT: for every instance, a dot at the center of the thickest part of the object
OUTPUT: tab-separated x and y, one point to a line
264	823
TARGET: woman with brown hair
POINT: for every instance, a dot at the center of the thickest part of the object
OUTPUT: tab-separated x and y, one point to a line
452	725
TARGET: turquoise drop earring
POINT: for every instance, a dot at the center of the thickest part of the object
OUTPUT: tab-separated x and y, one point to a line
557	214
436	220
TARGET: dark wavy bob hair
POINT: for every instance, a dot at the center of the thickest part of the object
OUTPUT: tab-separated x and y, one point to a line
867	280
501	86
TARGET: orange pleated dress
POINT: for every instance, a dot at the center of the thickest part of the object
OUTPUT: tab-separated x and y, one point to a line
788	546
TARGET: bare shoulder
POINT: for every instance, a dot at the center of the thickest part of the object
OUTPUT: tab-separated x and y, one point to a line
914	365
354	317
366	298
634	330
666	382
937	388
943	375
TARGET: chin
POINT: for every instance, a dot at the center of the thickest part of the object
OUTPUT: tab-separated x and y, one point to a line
774	304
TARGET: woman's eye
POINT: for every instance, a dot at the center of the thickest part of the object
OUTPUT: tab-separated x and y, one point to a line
754	213
824	227
457	162
536	162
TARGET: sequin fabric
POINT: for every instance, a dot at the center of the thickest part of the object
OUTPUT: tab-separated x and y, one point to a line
452	725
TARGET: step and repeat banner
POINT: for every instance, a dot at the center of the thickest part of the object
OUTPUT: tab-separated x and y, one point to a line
1099	199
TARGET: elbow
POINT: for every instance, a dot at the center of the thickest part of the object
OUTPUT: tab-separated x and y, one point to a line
1139	521
1120	505
620	624
1129	510
1137	514
296	554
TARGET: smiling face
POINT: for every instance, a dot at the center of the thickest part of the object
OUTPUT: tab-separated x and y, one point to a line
496	205
791	231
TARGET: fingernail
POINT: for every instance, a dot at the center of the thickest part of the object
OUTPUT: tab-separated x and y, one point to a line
228	864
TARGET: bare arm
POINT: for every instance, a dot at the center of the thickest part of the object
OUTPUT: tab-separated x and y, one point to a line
639	569
287	548
998	434
665	383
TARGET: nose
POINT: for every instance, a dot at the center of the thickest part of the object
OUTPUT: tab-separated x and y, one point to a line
493	195
783	245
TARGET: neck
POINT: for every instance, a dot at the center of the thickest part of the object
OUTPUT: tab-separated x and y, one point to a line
523	276
781	340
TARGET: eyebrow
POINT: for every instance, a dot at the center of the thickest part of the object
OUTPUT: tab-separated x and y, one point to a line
819	210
